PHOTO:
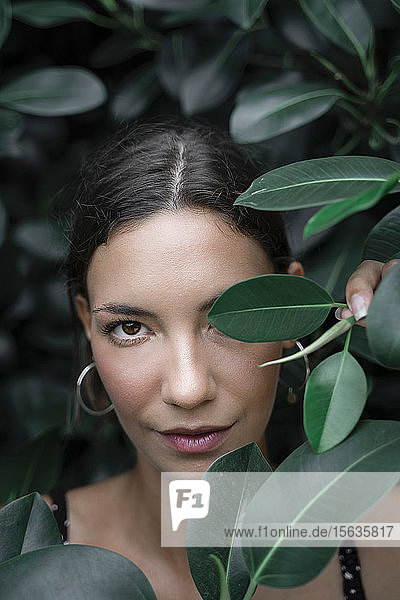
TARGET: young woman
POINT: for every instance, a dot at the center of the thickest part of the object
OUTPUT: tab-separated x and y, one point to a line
155	240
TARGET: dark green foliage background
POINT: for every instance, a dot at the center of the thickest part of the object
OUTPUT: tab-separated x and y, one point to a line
196	59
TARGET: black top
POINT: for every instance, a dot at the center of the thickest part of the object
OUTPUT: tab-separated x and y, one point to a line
348	556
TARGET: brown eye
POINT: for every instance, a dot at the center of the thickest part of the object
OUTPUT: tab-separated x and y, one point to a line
131	328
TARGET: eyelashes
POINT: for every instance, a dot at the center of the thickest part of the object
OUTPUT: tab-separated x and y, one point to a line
111	329
114	329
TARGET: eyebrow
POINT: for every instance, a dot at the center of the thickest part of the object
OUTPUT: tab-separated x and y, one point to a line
135	311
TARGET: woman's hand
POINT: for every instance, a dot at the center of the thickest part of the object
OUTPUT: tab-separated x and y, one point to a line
361	286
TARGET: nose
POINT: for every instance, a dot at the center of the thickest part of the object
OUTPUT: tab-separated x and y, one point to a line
188	379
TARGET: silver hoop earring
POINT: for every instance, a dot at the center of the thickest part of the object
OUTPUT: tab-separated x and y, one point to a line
292	391
90	411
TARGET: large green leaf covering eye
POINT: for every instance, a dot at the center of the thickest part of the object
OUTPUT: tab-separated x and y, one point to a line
271	308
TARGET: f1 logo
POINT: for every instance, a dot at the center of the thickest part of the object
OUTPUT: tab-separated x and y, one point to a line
188	499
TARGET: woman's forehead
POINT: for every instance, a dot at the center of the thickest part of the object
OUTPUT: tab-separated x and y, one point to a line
170	251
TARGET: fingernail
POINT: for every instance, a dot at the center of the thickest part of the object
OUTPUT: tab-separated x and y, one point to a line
358	307
338	313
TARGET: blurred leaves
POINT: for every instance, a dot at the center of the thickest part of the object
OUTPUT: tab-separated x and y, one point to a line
47	13
36	465
214	73
260	114
5	20
135	94
242	12
42	239
344	22
54	91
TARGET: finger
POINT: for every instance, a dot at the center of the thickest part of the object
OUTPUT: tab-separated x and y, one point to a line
389	265
361	286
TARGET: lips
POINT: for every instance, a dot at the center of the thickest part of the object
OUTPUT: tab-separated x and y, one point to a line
194	441
195	431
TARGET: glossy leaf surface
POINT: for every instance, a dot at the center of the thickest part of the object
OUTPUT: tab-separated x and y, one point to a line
260	116
344	22
334	213
105	573
203	568
383	241
316	182
214	75
47	13
26	524
335	396
383	320
53	91
373	446
135	94
270	308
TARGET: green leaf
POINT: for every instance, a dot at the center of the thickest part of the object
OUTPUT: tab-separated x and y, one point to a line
168	4
335	396
383	320
316	182
53	91
12	126
244	13
214	75
345	22
42	239
5	20
246	459
261	116
36	465
47	13
26	524
135	94
334	213
332	333
271	308
373	446
115	49
174	60
396	4
383	241
68	572
224	592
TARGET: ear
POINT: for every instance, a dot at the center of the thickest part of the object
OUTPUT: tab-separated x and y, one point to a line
83	310
295	268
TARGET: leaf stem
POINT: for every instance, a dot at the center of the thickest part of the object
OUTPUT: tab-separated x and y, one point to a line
250	590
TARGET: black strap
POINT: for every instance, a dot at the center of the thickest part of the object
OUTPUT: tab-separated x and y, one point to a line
59	508
351	571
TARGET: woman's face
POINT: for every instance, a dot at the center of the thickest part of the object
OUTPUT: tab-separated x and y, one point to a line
161	362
